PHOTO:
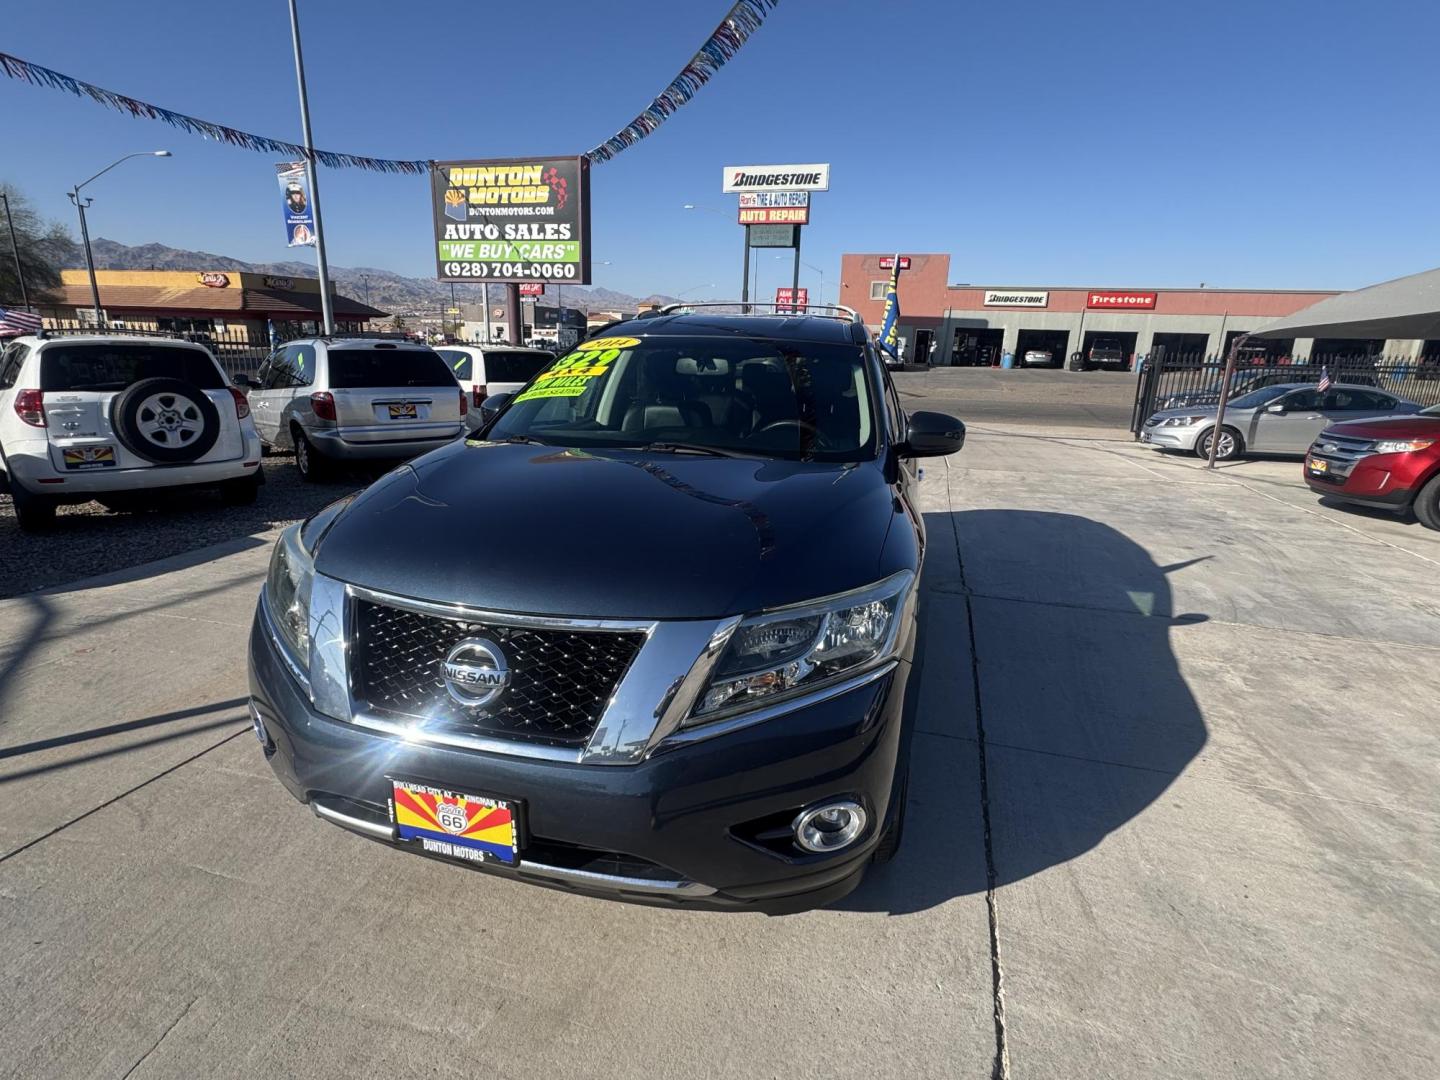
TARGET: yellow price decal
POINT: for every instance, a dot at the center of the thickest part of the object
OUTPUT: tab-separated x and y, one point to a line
572	373
607	343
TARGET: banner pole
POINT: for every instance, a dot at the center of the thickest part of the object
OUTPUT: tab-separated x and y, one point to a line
327	313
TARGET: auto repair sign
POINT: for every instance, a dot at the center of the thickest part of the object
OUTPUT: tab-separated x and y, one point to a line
775	178
1121	301
513	219
774	208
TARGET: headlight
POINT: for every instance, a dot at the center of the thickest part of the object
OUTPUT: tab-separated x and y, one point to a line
287	595
1181	421
1402	446
804	646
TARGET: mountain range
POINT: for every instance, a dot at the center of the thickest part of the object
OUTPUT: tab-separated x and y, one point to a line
390	292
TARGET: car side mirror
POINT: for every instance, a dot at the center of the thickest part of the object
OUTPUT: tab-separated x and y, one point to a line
249	381
932	434
491	406
1277	410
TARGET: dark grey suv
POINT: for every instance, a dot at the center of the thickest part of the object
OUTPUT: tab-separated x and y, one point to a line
648	634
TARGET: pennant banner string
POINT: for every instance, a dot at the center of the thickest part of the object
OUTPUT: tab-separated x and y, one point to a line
734	30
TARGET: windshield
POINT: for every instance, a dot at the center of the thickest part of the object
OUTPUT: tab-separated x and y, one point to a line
372	369
1256	398
1433	410
515	365
114	367
742	396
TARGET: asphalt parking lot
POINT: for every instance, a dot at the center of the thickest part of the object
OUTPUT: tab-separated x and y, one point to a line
1174	815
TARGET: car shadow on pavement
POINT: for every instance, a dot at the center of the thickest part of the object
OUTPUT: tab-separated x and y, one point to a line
1085	716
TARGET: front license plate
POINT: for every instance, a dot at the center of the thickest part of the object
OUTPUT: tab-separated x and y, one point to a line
403	412
90	457
1319	468
470	828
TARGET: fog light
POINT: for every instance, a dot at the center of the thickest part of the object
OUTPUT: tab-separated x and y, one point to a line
830	827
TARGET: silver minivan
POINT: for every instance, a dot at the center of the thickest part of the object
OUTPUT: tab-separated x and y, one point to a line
355	399
492	369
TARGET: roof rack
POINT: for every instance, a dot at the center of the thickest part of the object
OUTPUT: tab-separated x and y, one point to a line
380	335
748	307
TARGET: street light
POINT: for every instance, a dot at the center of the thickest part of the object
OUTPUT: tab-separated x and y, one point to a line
81	204
706	285
812	266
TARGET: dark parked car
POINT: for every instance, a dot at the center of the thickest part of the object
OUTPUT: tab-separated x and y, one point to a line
648	634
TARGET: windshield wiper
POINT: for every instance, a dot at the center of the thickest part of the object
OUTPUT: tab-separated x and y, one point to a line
691	448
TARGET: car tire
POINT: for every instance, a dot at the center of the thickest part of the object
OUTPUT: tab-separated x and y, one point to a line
1427	503
889	843
312	465
1230	448
33	513
240	492
165	421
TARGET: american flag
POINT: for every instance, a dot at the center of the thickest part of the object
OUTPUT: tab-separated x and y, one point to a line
18	322
1324	383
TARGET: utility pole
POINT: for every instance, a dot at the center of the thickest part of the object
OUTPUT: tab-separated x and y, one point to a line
81	204
326	311
15	250
795	280
745	288
485	306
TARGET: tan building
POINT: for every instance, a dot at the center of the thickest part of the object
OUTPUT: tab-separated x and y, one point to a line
230	304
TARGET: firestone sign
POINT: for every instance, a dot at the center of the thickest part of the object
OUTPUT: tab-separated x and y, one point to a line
776	178
1121	301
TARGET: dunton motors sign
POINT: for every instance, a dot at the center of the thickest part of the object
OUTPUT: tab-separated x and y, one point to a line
1121	301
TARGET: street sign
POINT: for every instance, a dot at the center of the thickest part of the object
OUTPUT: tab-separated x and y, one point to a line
790	299
887	262
772	236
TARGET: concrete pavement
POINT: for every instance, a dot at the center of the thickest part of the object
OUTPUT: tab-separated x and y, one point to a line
1204	703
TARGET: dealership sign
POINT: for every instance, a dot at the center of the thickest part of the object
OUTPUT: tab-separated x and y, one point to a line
1121	301
786	299
775	178
1016	298
513	220
887	262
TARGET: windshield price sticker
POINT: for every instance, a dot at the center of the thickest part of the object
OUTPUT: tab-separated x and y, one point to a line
573	373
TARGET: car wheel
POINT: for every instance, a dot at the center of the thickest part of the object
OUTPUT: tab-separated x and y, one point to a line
895	831
1231	444
1427	503
33	513
240	492
167	421
314	469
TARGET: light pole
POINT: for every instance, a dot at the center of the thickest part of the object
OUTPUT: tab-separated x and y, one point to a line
821	301
707	285
15	250
81	204
326	310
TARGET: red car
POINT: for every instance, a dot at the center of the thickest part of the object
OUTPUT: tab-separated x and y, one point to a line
1392	462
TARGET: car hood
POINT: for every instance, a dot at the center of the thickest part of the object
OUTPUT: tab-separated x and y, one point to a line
1390	427
1206	409
612	534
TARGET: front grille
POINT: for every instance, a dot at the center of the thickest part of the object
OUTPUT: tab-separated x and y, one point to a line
1341	447
560	680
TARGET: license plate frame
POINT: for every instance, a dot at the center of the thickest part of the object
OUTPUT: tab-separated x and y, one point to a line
1319	467
88	458
425	819
404	410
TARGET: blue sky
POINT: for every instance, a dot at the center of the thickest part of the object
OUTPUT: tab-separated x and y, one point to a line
1280	144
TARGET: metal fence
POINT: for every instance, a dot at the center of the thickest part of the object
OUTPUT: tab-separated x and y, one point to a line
239	349
1168	381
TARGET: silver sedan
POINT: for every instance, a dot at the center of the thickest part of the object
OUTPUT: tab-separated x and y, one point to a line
1280	419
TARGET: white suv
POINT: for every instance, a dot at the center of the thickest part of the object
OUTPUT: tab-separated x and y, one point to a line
103	416
492	369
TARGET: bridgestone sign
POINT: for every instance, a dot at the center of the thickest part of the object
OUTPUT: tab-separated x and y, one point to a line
776	178
1016	298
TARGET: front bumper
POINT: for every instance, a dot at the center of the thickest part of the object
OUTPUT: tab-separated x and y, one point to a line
1172	438
1383	481
687	816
